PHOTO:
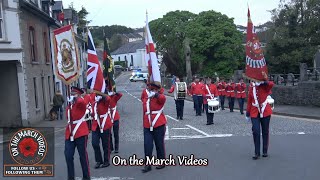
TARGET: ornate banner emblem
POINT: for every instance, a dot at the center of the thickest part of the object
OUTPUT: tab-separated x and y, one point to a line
67	63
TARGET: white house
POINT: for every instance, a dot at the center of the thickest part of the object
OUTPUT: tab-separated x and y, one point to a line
132	53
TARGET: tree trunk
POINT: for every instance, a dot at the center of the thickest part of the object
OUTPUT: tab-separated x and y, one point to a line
187	53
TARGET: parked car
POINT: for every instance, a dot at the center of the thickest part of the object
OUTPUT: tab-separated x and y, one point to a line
139	77
118	67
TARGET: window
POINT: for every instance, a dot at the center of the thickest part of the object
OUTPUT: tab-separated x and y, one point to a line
45	45
35	92
32	44
49	86
1	21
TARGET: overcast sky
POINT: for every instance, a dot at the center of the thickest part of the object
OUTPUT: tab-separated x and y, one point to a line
131	13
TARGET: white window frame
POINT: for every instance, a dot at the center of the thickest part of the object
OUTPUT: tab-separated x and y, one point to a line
2	22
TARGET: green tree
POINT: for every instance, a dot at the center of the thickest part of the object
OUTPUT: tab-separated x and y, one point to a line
296	35
214	40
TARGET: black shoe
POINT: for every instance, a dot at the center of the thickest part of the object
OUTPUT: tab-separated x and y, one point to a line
181	118
97	165
265	155
146	169
209	123
242	113
71	178
116	151
160	167
255	157
86	178
105	165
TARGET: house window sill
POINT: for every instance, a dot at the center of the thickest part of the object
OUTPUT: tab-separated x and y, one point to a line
48	63
5	42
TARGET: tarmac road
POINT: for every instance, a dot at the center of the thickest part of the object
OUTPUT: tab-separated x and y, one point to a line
228	145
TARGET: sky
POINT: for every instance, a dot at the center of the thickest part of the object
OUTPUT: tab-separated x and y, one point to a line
132	13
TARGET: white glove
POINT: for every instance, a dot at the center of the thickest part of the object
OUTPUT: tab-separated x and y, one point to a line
258	83
98	98
110	93
151	94
71	98
248	119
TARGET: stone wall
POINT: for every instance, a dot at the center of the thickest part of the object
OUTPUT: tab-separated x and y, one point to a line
305	94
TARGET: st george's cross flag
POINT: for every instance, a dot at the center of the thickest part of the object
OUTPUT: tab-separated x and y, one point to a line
95	80
66	62
256	67
151	57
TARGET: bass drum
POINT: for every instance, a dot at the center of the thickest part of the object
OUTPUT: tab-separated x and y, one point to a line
213	105
180	91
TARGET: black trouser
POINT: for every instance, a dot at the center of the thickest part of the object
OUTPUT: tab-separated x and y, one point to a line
156	136
231	103
105	138
198	102
58	109
115	132
264	122
222	101
179	108
69	150
209	115
194	98
241	103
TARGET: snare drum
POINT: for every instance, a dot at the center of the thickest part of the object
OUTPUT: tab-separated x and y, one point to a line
213	105
180	91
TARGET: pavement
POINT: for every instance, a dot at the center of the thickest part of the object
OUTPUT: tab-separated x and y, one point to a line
227	145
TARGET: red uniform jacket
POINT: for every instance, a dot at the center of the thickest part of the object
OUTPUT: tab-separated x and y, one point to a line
262	93
87	98
155	105
206	95
102	109
221	88
241	90
113	103
197	88
77	112
171	89
230	90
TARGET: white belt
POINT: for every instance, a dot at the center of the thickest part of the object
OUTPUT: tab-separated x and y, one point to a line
158	113
230	91
114	110
77	122
242	92
97	118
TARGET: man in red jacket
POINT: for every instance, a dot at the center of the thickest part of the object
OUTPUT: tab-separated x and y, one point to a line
221	86
115	118
241	94
101	127
259	110
154	123
197	90
210	92
76	134
179	102
231	94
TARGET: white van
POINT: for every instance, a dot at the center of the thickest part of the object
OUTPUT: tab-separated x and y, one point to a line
139	77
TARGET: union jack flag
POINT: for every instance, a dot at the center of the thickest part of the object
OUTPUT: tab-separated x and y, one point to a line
95	78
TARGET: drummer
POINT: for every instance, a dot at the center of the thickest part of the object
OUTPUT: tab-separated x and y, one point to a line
179	102
210	92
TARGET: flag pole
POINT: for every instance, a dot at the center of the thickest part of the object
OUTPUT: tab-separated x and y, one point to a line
146	32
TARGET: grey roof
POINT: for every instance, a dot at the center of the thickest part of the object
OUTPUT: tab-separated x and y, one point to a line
57	6
132	35
67	13
130	47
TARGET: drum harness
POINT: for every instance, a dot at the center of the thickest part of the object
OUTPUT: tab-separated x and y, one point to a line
256	103
77	122
209	92
158	113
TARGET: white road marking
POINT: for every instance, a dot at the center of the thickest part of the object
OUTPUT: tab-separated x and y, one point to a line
221	135
167	132
197	130
172	118
301	133
180	128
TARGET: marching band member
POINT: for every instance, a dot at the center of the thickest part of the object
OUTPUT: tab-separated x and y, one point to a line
241	94
101	127
191	93
197	90
231	94
115	118
88	100
179	102
154	122
210	92
259	110
222	92
76	134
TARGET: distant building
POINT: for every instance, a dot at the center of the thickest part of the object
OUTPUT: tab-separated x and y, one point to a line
131	37
132	53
